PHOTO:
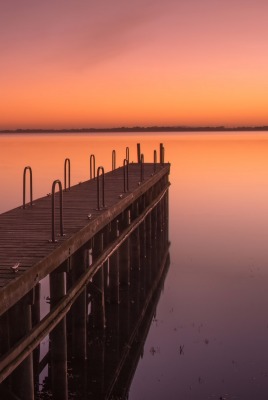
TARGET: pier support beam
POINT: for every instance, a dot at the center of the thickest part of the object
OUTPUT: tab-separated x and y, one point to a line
98	282
114	266
20	323
58	341
79	262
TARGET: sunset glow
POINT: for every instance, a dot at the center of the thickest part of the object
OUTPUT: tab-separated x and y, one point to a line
68	64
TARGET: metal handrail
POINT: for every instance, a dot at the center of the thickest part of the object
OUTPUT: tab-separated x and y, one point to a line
127	153
142	167
98	188
53	240
24	185
125	169
113	160
92	167
67	161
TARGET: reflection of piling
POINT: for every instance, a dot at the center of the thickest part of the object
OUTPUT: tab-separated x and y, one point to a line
58	340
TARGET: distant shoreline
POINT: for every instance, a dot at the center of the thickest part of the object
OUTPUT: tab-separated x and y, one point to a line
143	129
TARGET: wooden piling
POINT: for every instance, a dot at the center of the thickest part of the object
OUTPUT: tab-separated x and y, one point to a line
58	341
20	323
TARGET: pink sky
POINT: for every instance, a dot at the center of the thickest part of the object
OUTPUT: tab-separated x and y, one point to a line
80	63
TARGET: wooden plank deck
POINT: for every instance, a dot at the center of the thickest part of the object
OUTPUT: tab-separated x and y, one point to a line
25	233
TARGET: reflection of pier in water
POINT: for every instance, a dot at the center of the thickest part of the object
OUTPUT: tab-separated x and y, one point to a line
102	361
104	278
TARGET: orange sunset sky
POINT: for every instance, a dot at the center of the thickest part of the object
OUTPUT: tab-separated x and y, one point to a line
109	63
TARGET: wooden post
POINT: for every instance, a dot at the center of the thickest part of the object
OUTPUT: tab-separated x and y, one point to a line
35	319
79	263
139	152
114	266
124	253
20	323
58	341
98	281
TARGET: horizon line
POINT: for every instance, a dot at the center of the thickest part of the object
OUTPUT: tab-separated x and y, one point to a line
156	128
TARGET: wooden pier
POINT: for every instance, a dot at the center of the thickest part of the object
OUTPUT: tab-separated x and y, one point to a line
86	251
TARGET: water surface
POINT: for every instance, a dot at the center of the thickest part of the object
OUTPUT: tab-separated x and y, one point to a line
208	339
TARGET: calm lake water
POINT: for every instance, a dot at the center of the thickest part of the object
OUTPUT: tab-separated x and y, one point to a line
209	337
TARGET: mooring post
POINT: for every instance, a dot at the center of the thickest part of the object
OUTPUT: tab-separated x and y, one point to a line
98	281
113	160
79	262
58	340
92	167
20	323
155	160
162	151
139	152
